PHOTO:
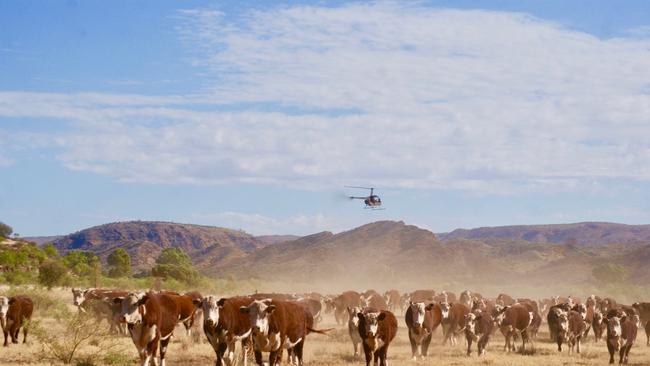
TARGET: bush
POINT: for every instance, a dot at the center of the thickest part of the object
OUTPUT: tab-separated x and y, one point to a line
52	273
175	264
80	331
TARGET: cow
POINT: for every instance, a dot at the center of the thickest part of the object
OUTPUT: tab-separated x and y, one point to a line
278	325
421	320
224	325
186	309
14	311
504	300
478	328
313	306
598	325
643	308
621	335
377	329
577	328
466	298
551	318
372	299
516	320
100	303
341	303
353	329
484	305
607	304
392	298
453	320
421	296
537	319
151	319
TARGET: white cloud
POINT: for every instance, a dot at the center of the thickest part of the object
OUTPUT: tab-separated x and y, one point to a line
397	95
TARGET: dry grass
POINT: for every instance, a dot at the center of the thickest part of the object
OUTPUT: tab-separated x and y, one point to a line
335	349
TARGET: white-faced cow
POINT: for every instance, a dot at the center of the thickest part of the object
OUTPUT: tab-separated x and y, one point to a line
224	325
421	320
453	320
577	328
621	335
598	325
278	325
151	319
342	302
478	328
551	318
14	311
98	302
377	330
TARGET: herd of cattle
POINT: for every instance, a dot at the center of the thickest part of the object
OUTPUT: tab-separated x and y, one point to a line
271	323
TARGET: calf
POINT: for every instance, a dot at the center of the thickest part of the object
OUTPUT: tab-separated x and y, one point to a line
353	329
14	311
478	323
224	325
577	328
278	324
453	322
377	330
421	324
151	319
621	335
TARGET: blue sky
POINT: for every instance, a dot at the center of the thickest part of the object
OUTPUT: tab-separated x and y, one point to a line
255	114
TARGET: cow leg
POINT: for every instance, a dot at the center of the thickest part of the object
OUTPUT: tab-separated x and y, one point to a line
163	349
244	350
366	351
382	355
220	349
376	358
298	351
6	336
15	329
578	345
611	350
25	329
414	347
356	345
469	344
273	357
258	358
425	345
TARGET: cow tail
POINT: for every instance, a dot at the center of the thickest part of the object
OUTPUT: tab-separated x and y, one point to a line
319	331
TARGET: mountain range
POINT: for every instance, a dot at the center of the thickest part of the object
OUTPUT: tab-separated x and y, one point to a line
386	253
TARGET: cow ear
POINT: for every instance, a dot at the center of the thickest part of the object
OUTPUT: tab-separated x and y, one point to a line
270	309
197	302
244	310
117	300
221	302
12	300
143	299
267	301
430	307
381	316
360	315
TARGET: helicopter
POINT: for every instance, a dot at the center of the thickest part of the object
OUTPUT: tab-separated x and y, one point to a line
372	201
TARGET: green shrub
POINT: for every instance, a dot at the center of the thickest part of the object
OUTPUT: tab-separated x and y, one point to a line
52	273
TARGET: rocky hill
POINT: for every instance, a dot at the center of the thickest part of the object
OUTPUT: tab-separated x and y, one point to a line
584	233
144	240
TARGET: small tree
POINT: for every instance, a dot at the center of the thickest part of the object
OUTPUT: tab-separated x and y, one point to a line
176	264
120	263
80	262
5	230
50	250
52	273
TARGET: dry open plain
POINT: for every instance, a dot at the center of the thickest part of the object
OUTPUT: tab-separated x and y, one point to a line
331	350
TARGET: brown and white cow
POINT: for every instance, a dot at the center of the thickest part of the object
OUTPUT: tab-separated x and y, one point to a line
516	320
466	298
598	325
342	302
577	328
392	298
372	299
551	319
621	335
278	325
478	328
643	308
453	320
377	330
421	320
151	319
224	325
14	311
99	302
353	329
504	300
